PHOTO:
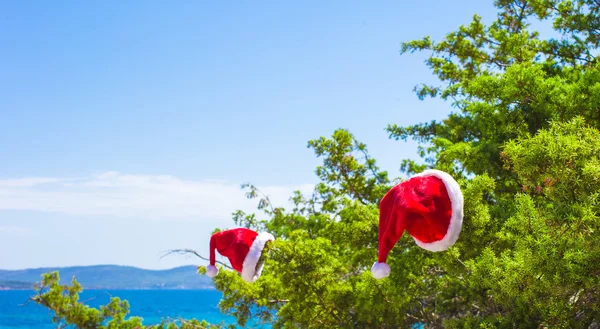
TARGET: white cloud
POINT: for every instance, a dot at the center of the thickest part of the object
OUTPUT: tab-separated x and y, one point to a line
135	196
27	182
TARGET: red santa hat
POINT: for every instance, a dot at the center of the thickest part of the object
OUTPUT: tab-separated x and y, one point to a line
429	206
243	247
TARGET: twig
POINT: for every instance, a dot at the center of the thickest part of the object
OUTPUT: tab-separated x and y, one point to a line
254	189
26	303
465	265
381	293
93	298
413	317
190	251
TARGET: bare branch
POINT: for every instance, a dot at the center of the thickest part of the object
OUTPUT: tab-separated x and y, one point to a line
190	251
26	303
93	298
254	189
381	293
413	317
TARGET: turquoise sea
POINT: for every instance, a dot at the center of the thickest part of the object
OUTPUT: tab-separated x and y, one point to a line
152	305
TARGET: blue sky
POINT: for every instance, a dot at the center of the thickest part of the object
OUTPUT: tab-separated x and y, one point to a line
126	127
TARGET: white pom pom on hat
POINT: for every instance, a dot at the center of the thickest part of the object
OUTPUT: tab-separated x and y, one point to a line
212	271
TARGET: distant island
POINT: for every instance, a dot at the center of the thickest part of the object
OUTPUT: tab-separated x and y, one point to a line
111	277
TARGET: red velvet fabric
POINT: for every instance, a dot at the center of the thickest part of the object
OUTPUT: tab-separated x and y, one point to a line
420	206
233	244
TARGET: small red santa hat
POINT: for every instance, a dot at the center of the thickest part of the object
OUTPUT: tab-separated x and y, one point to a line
243	247
429	206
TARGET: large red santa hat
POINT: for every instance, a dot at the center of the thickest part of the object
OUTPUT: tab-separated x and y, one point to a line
243	247
429	206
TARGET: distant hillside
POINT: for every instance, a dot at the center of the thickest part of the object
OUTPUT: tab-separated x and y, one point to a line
111	277
14	285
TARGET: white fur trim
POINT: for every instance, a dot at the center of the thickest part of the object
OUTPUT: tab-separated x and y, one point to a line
212	271
457	202
380	270
249	271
